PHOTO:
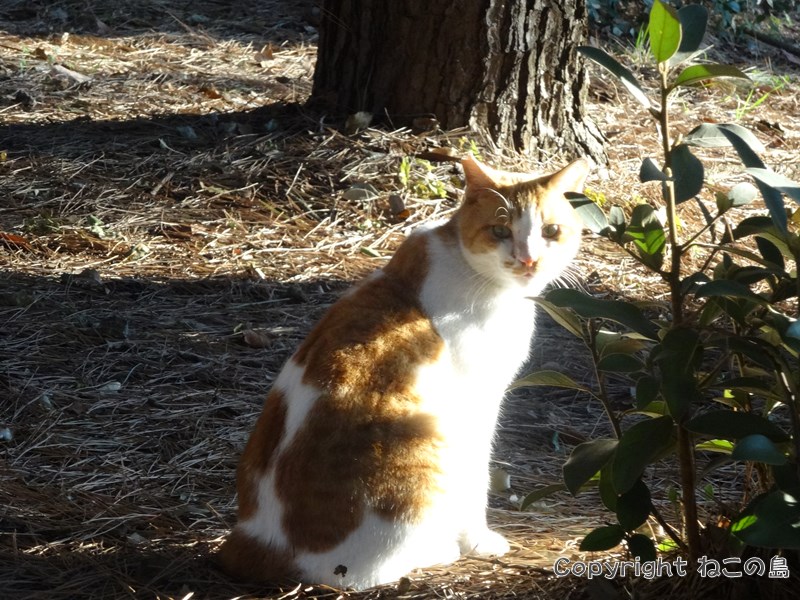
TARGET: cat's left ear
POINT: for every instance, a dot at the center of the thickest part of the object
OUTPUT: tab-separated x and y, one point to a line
478	175
570	178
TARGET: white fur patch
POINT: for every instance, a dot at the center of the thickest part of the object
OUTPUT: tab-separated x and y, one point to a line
265	524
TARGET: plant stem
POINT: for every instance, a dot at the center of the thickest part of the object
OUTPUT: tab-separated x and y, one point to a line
601	382
667	527
685	443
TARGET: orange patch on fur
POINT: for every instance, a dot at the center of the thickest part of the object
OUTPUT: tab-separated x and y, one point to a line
244	557
258	453
364	444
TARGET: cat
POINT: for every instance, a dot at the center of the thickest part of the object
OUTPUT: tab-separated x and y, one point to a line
371	455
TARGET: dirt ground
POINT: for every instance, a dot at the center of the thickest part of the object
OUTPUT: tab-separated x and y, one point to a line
173	221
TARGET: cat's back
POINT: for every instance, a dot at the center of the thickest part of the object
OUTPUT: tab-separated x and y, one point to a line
344	445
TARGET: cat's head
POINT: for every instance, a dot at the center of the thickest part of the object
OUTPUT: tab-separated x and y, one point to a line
518	229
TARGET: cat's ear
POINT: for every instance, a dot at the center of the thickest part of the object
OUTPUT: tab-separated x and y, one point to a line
570	178
478	175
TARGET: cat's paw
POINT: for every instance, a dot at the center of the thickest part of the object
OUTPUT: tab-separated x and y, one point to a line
484	543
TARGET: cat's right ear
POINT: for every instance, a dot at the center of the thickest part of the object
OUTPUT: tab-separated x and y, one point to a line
478	175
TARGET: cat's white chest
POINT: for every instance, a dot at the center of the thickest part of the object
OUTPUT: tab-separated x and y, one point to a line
487	333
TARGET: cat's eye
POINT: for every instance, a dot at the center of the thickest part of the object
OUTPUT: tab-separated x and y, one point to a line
501	232
551	231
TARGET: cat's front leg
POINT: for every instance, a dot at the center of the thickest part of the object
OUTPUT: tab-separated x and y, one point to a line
482	541
475	537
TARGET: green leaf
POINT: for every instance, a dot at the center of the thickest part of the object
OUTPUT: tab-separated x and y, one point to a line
602	538
592	215
728	289
787	479
647	234
687	173
721	446
710	135
605	487
678	356
650	171
729	424
646	391
616	343
772	197
770	253
638	447
657	408
665	31
548	378
641	547
758	448
620	363
625	76
616	219
776	181
633	507
615	310
585	461
774	522
697	73
563	316
693	18
541	493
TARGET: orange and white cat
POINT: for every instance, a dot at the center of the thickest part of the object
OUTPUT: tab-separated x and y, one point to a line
371	456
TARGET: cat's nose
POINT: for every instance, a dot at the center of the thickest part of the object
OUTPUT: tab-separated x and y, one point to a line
528	261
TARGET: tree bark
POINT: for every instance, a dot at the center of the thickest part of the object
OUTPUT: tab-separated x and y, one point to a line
506	68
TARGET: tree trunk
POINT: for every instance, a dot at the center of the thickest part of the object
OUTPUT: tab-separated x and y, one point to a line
504	67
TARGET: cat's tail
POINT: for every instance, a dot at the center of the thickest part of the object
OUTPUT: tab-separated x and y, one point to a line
245	558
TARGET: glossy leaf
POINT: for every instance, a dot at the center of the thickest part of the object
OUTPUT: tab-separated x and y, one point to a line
605	487
623	74
777	181
721	446
772	197
710	135
697	73
639	445
687	173
620	363
650	171
633	507
678	355
641	547
770	253
616	220
693	18
773	523
787	478
585	461
563	316
729	424
657	408
728	289
592	216
758	448
602	538
665	31
541	493
647	233
588	307
646	391
548	378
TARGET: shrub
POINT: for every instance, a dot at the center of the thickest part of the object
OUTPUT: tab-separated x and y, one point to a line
718	369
